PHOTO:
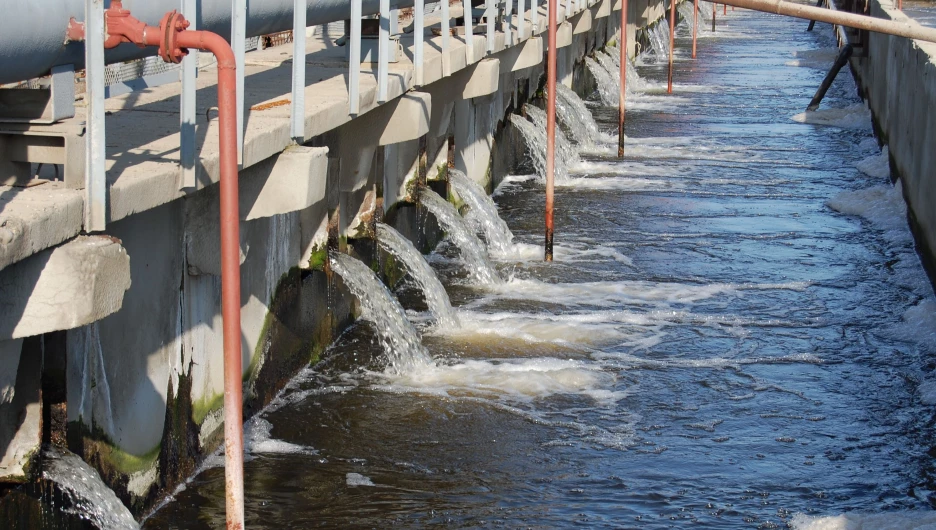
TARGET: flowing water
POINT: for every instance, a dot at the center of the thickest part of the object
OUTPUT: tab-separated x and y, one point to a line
565	151
86	496
750	343
535	138
483	212
659	41
608	85
574	115
472	249
399	340
421	272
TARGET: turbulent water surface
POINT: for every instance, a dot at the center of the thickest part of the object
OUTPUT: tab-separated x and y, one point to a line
736	334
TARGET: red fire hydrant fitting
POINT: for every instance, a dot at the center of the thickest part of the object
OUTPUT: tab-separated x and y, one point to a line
174	40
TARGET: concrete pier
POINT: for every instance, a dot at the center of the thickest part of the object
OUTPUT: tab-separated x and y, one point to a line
133	315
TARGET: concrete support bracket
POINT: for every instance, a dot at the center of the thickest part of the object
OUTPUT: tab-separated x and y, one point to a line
296	181
75	284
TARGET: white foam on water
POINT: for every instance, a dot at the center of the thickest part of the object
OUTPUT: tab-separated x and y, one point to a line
581	253
627	292
619	184
927	390
919	323
883	206
510	380
877	166
869	145
921	520
258	440
821	59
574	330
357	479
855	116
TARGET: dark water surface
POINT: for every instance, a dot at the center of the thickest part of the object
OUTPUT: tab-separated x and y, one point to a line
758	357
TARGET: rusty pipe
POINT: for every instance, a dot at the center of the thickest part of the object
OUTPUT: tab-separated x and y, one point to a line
724	9
550	127
672	45
230	270
695	25
623	74
173	39
851	20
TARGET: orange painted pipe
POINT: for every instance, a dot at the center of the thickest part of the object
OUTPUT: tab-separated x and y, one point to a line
623	73
672	45
174	40
695	25
550	127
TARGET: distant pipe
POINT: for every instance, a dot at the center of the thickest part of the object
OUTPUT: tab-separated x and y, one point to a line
173	41
695	24
724	9
550	126
672	45
714	12
851	20
35	36
623	72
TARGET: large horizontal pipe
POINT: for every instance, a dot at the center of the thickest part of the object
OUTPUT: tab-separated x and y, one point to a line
877	25
32	32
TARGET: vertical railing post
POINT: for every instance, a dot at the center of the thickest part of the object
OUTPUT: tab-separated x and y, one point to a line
623	73
187	108
508	16
490	14
383	59
469	30
551	125
695	25
534	15
239	45
446	30
354	60
672	45
419	30
714	11
95	218
521	20
297	111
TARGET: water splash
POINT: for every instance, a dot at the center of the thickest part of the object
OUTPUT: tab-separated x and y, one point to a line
658	52
608	90
565	151
472	250
483	212
536	147
89	498
401	343
436	297
573	113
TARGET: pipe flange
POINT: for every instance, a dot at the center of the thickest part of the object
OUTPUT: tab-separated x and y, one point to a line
170	26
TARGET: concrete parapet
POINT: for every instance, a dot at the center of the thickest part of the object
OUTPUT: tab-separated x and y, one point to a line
898	77
72	285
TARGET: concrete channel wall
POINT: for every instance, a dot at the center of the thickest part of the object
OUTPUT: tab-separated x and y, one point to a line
897	77
110	346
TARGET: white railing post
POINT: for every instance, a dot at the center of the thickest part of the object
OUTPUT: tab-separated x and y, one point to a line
95	218
469	30
187	109
446	65
490	14
419	30
297	111
239	45
383	51
354	60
